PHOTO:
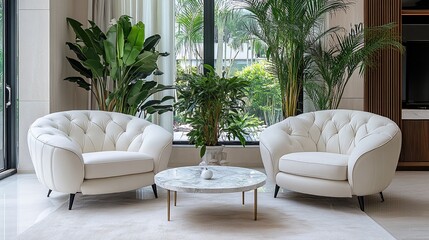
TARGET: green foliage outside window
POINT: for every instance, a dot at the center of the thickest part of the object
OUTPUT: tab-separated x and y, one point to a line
264	99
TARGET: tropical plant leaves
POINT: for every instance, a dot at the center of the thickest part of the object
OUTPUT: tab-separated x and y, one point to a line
213	105
334	61
136	36
125	22
140	93
151	42
95	66
76	65
288	28
97	31
77	50
80	82
122	56
120	41
79	31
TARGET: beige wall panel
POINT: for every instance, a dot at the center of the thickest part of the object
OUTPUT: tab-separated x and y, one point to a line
354	91
65	95
352	103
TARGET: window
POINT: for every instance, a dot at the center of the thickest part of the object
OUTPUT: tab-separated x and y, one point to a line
236	53
231	49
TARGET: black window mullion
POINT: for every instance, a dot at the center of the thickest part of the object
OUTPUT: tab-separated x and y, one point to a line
209	29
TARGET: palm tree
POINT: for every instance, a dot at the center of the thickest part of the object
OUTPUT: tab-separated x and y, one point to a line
289	28
237	36
189	20
334	61
224	12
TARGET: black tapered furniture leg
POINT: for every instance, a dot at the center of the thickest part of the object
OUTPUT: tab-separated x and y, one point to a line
49	192
276	191
382	197
71	200
155	192
361	203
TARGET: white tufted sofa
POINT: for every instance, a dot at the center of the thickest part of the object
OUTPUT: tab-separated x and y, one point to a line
96	152
336	153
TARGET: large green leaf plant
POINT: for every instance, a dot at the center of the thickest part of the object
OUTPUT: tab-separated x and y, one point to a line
114	66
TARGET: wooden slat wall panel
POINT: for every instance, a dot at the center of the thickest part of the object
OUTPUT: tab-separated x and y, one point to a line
415	134
383	83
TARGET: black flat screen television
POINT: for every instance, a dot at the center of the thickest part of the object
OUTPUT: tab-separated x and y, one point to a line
416	75
415	4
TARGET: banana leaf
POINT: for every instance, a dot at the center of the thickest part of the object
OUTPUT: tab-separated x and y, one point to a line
80	82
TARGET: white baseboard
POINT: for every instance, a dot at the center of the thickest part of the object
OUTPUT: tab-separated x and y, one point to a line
188	155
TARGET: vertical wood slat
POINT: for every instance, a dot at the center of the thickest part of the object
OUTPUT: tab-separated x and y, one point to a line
383	83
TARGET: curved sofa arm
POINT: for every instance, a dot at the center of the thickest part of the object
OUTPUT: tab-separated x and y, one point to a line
57	160
157	143
273	144
372	164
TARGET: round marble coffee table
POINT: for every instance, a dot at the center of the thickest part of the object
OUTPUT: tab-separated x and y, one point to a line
225	180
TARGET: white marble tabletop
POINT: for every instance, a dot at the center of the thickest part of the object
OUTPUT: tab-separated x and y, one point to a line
225	179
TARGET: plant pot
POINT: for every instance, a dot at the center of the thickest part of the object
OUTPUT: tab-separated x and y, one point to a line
214	156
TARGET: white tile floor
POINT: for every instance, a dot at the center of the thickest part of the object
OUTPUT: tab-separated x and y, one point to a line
23	202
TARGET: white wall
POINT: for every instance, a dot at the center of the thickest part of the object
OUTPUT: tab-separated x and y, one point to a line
34	67
42	66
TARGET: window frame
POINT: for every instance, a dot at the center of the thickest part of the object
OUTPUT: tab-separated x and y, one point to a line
209	58
11	79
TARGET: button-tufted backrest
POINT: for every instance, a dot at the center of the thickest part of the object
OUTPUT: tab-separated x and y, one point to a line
335	131
95	131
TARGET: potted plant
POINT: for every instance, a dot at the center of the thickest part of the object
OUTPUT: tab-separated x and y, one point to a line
213	106
288	28
114	65
335	60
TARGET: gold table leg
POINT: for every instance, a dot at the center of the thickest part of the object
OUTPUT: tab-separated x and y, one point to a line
242	198
255	205
175	198
168	205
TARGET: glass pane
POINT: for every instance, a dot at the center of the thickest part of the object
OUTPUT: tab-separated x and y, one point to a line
239	53
2	84
189	49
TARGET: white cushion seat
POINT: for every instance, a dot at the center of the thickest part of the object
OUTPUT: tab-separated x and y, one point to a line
323	165
115	163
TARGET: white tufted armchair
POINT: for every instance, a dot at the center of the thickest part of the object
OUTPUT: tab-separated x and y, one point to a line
336	153
96	152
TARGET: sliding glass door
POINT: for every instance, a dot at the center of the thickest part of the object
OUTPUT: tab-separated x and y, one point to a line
8	86
2	91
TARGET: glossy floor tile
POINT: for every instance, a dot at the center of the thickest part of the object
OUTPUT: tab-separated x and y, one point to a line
404	214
